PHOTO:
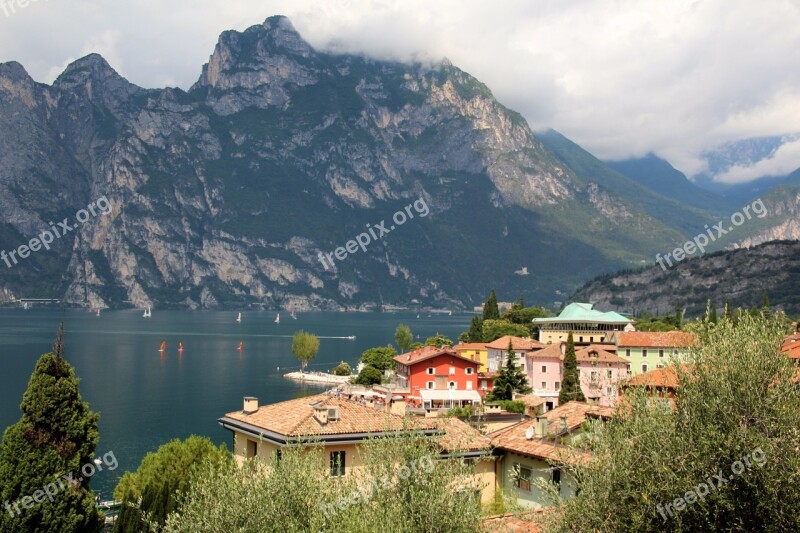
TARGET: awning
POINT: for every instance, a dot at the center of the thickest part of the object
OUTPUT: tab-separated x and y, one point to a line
449	394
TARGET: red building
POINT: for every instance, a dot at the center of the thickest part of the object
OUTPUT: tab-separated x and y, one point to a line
438	378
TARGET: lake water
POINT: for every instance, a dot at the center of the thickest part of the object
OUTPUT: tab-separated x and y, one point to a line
146	399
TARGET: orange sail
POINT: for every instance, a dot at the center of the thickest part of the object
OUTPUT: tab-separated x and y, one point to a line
163	346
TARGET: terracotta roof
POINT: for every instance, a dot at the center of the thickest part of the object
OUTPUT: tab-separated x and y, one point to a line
603	356
459	436
470	346
427	352
611	348
509	523
656	339
658	378
530	400
791	346
552	351
517	343
488	375
295	418
513	438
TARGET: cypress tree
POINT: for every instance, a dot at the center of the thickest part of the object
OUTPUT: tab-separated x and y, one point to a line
490	309
765	307
475	332
55	437
711	312
728	312
678	315
510	379
571	383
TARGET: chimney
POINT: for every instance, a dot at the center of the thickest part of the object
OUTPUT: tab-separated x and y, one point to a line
541	426
250	405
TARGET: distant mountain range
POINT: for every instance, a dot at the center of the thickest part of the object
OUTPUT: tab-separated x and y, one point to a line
741	276
227	194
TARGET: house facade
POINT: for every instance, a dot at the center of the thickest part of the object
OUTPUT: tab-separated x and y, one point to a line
438	378
528	450
342	426
601	373
588	325
476	351
645	351
497	350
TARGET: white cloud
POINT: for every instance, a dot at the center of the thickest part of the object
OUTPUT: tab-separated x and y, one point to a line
785	160
620	78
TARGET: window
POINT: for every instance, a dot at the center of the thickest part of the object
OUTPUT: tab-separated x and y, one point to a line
430	370
608	391
451	385
470	371
544	385
629	368
544	369
469	385
558	385
252	449
675	351
429	385
452	371
659	365
278	456
627	352
661	352
609	374
644	352
524	479
644	367
338	464
591	339
593	376
483	384
580	339
555	476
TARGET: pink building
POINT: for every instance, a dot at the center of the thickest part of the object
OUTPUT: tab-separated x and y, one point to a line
600	371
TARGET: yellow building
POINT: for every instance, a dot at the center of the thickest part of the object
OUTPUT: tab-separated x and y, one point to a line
477	351
341	425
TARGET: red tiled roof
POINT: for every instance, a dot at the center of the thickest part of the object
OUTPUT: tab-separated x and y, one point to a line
470	346
666	377
517	343
426	352
552	351
509	523
656	339
295	418
513	438
530	400
459	436
603	356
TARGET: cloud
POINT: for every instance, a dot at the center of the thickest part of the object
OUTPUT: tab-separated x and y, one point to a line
621	78
785	160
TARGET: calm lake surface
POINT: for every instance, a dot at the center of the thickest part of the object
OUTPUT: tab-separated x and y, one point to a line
145	399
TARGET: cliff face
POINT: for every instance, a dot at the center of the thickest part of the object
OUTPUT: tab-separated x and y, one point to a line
226	194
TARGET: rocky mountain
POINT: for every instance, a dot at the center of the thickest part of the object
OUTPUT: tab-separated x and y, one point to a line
741	276
230	193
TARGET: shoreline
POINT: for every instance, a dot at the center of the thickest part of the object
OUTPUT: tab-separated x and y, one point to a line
317	377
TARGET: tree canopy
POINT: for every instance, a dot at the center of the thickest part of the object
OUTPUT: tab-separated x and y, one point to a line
438	340
735	414
369	375
494	329
403	337
305	347
56	435
490	309
381	357
571	380
510	379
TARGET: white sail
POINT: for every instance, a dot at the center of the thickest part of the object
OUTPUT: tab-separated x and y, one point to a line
278	319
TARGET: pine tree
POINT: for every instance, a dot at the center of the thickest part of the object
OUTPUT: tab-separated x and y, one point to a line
55	437
711	312
571	382
475	332
490	309
510	379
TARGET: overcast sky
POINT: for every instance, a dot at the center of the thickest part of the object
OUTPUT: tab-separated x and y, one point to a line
621	78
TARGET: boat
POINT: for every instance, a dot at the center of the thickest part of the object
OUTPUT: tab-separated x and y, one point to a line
239	318
278	319
351	337
163	346
180	346
147	313
241	346
98	312
417	316
294	316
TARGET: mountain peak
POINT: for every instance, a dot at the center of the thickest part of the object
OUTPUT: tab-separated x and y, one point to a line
90	73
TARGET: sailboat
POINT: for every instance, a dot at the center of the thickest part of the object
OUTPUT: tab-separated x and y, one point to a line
278	319
25	306
147	313
163	346
98	312
239	318
294	316
241	346
180	348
